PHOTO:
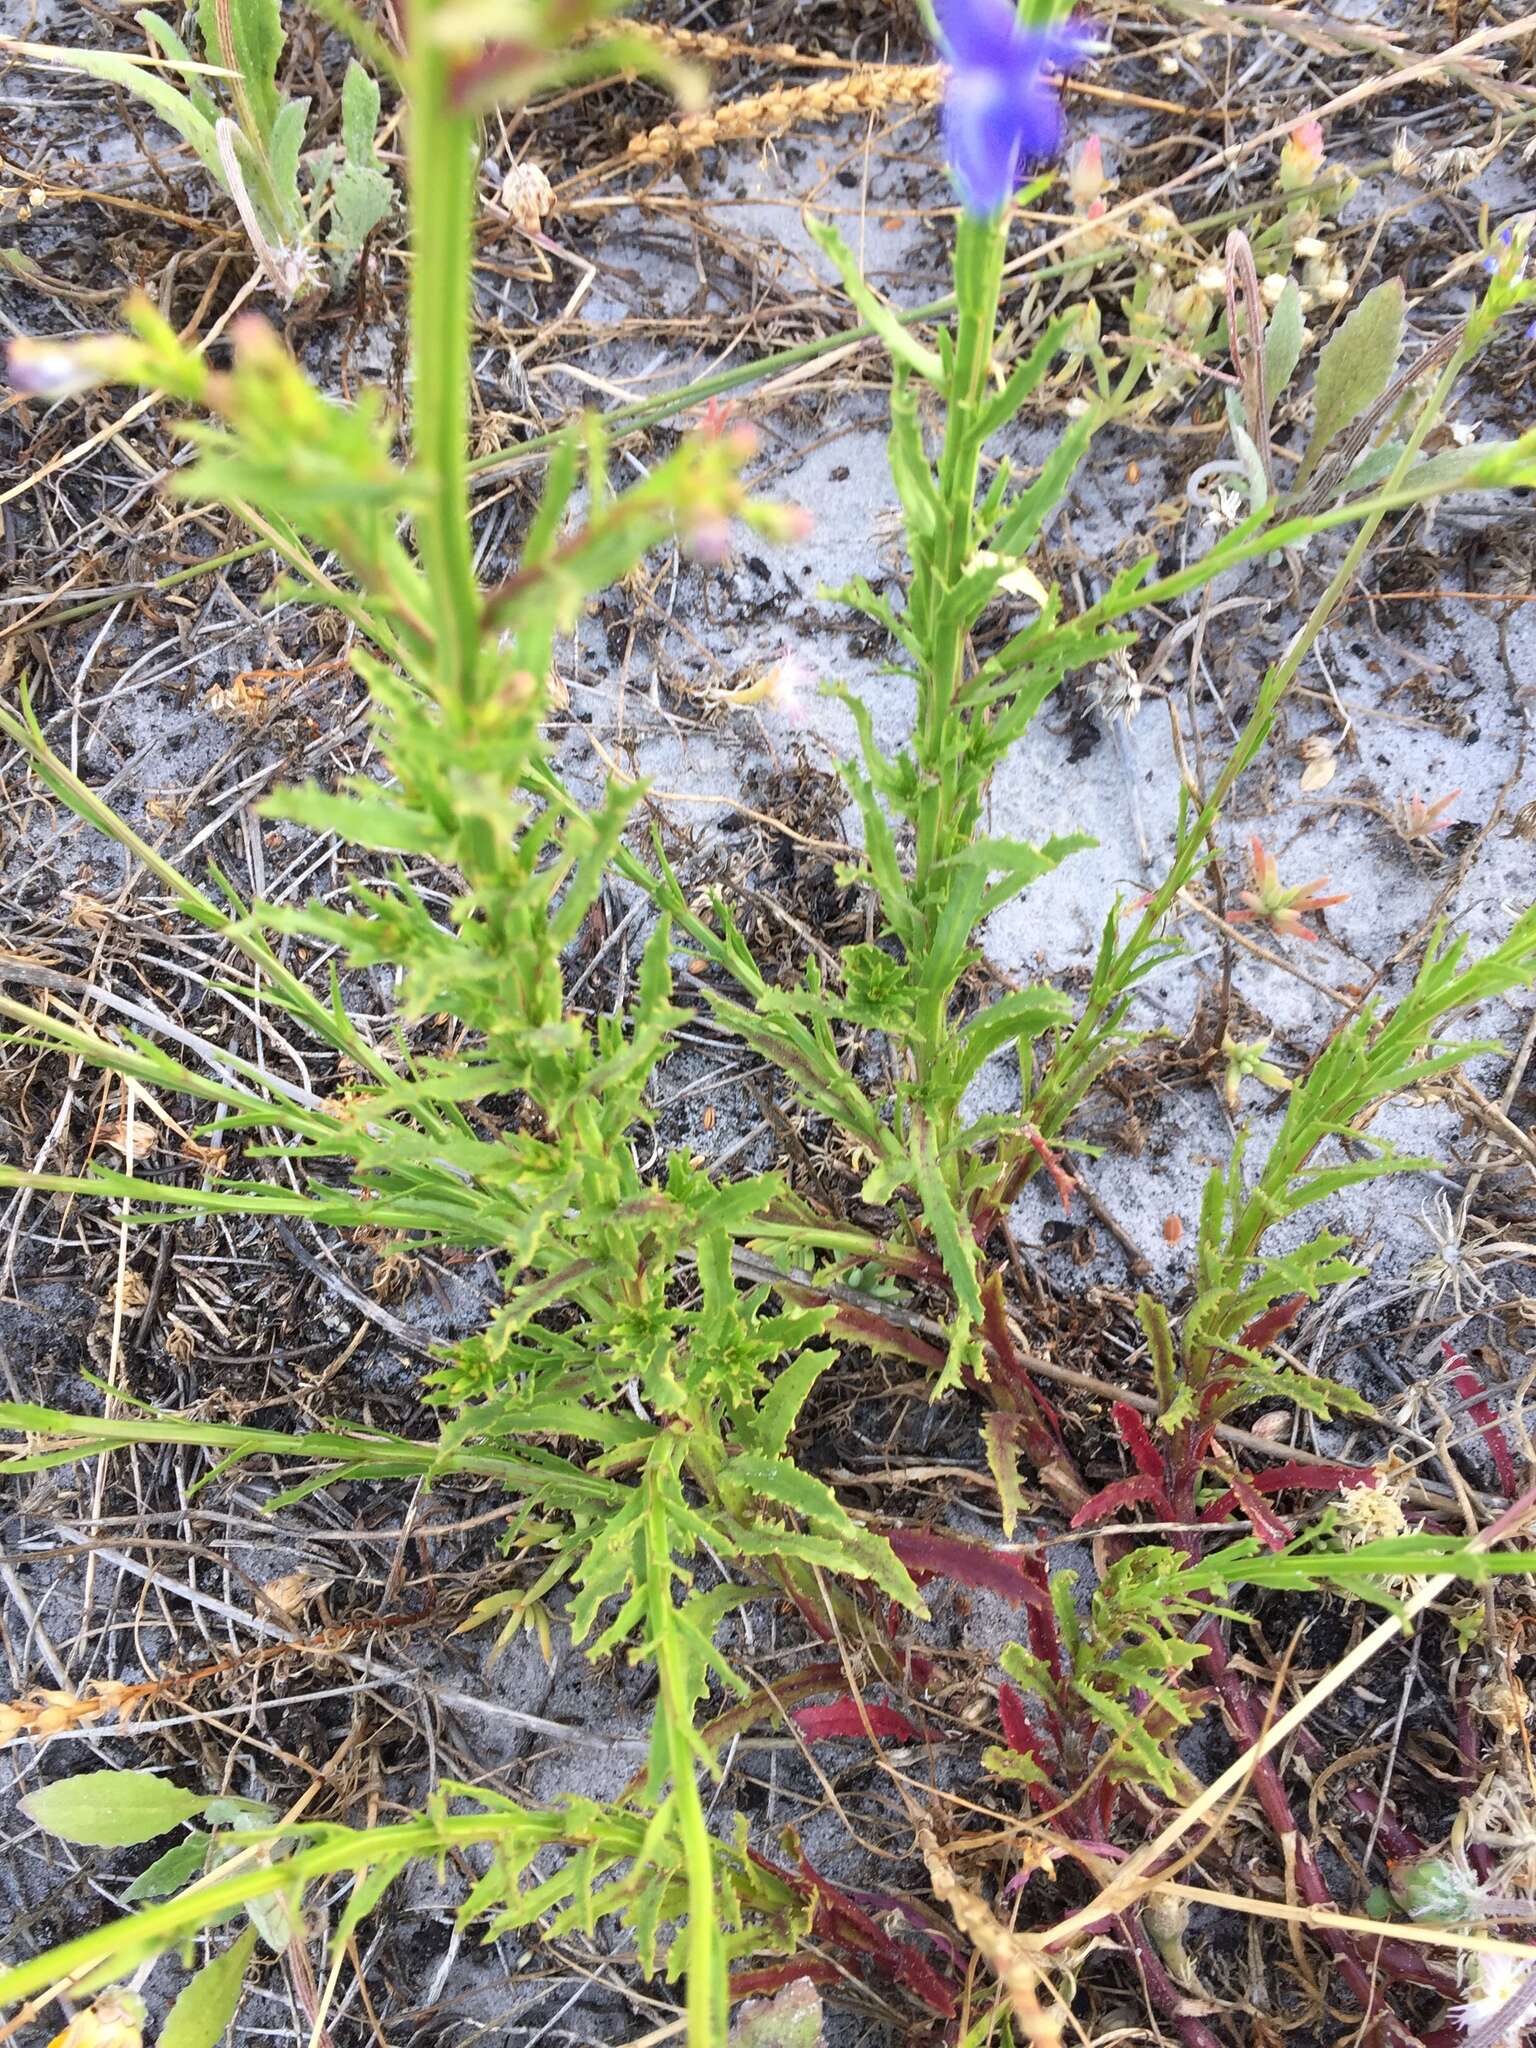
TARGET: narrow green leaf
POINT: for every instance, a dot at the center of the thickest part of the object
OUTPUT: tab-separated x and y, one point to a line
782	1403
956	1246
170	1871
873	310
160	32
207	2005
146	83
252	48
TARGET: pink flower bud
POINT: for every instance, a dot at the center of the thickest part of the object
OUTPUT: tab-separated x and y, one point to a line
1086	181
708	535
1301	159
781	523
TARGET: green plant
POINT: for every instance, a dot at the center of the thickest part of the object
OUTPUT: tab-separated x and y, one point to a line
249	140
956	1174
637	1391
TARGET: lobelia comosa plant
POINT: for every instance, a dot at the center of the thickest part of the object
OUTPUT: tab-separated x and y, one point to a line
631	1394
934	874
672	1419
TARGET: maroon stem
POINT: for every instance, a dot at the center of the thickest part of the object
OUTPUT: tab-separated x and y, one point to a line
1161	1988
1386	1823
1248	1731
1478	1853
1389	1830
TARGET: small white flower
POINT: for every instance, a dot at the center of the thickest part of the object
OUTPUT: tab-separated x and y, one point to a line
1224	508
1494	1983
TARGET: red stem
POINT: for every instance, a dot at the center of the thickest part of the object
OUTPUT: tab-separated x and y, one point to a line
1247	1730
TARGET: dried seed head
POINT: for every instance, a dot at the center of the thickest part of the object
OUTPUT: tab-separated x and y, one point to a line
88	913
135	1139
1405	158
869	90
131	1293
1115	687
295	1591
1502	1701
241	697
1316	751
1369	1514
527	196
46	1711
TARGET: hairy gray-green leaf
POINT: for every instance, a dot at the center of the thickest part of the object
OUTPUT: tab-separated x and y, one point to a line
111	1809
287	142
1355	368
1282	342
359	115
361	197
790	2019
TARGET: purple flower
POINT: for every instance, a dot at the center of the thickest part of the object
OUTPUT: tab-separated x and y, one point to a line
1001	110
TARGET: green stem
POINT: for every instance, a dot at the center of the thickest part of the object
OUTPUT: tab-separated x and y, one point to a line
442	172
707	2000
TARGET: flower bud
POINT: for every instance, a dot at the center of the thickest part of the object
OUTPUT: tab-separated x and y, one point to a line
1083	334
1193	311
781	523
1435	1888
1086	180
1301	159
708	537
